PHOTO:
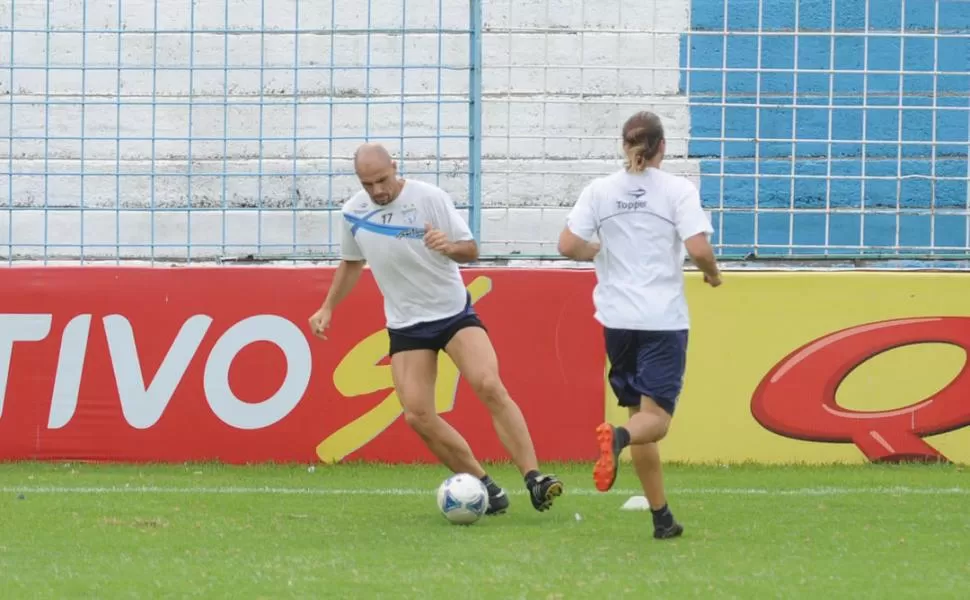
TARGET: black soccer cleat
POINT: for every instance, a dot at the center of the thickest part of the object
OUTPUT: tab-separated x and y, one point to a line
497	503
543	489
661	532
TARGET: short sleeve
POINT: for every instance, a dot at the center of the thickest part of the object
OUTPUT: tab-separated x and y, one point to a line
689	216
581	220
349	250
454	226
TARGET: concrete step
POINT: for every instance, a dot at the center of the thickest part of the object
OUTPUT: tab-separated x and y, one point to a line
525	207
528	182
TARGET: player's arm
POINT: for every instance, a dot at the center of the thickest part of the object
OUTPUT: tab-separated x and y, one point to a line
344	280
576	248
694	228
574	240
702	254
464	251
349	270
454	239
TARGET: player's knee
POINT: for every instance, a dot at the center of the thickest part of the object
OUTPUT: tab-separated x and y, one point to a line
490	389
660	417
420	420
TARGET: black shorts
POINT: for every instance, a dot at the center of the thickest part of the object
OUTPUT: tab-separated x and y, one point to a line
432	335
647	363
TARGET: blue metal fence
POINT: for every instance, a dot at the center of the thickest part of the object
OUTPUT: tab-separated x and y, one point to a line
211	129
832	127
203	129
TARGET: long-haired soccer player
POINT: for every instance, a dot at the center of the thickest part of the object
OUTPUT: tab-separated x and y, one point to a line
413	237
644	218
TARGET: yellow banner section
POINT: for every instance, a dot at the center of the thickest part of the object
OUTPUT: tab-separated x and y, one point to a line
358	374
742	330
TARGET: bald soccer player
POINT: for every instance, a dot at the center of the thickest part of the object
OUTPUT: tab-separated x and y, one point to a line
413	237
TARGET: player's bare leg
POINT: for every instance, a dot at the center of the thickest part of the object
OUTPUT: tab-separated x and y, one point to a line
646	463
472	352
414	373
650	424
475	357
646	425
649	468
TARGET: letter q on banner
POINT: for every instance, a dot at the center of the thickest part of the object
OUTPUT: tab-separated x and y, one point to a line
796	398
260	328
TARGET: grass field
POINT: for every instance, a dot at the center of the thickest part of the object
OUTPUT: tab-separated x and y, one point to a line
355	531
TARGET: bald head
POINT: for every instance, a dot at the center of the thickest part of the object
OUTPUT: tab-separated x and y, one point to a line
371	155
377	172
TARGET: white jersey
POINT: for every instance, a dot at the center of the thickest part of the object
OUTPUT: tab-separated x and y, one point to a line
641	221
418	284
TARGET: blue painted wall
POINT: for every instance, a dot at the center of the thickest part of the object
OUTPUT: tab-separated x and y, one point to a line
794	103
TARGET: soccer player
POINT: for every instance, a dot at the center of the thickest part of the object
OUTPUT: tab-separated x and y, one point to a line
644	218
413	238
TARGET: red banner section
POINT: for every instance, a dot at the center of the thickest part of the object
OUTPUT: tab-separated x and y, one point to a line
797	398
198	364
139	364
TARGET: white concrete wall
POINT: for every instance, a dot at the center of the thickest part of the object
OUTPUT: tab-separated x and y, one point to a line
554	99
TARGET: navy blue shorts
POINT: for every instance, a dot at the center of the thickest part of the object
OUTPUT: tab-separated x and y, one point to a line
647	363
432	335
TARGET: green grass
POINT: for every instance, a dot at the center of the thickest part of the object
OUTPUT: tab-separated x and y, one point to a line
356	531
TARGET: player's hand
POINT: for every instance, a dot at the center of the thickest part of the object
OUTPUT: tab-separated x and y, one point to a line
713	281
435	239
320	321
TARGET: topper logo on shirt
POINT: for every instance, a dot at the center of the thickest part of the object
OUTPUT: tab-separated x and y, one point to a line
631	205
635	204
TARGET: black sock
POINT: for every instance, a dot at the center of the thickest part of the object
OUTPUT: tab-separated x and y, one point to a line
662	517
532	476
490	485
622	437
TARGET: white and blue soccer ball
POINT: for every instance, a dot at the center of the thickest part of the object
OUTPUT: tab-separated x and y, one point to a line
462	499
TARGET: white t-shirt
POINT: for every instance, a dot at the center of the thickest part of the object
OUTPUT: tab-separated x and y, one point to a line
641	221
418	284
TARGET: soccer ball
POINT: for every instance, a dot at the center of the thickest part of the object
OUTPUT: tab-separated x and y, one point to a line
462	499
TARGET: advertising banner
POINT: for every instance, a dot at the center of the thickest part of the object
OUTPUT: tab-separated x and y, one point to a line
818	367
141	364
219	364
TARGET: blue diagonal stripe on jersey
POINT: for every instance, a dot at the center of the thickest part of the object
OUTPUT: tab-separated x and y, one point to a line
389	230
